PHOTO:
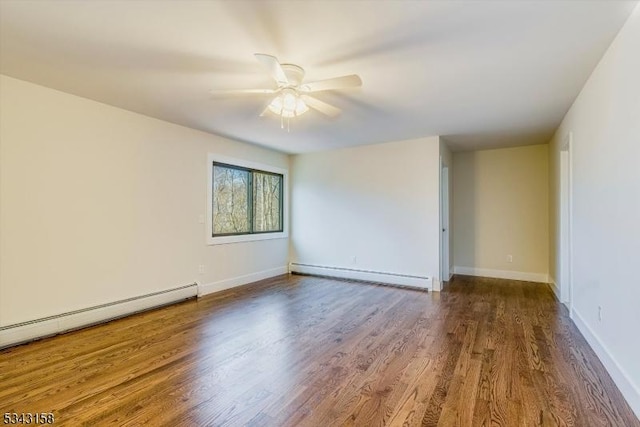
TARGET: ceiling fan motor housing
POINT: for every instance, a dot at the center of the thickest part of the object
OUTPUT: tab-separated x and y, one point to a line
294	74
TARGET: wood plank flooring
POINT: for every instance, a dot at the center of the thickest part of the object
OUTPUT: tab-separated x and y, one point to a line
307	351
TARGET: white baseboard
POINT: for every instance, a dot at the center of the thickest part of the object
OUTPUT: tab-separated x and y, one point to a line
52	325
421	282
502	274
629	390
221	285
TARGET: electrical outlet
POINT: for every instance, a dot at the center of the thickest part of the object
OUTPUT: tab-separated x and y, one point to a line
201	269
509	258
599	313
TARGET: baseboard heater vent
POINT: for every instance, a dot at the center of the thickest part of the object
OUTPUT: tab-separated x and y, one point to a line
421	282
28	331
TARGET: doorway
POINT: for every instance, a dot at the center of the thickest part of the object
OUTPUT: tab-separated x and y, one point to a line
445	273
565	285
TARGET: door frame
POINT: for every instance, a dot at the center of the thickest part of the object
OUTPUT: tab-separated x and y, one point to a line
444	231
565	225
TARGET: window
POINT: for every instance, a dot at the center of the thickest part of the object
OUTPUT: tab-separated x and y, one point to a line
247	201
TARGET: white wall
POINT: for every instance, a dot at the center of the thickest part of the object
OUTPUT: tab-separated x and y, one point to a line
605	121
378	203
99	204
500	208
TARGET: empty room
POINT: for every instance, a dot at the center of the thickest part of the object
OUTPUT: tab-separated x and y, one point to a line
319	213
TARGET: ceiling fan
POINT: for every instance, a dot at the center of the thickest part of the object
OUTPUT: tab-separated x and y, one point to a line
292	97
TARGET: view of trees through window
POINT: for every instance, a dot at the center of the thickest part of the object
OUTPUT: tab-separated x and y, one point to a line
246	201
266	202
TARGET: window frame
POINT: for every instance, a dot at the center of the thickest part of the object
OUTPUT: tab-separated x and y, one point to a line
251	167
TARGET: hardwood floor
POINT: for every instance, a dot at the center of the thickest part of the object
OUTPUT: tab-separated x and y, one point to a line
306	351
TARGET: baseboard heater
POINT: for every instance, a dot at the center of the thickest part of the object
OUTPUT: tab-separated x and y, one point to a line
395	279
28	331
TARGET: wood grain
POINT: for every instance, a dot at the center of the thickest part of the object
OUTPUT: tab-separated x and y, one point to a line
308	351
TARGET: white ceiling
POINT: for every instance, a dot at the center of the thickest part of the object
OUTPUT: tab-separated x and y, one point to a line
480	73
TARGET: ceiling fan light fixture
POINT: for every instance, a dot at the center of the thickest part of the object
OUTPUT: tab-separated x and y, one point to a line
288	104
289	101
292	97
301	107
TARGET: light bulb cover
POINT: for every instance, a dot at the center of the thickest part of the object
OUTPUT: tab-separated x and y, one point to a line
288	104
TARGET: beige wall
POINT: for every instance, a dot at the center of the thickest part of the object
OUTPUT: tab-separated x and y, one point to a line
500	208
378	203
98	204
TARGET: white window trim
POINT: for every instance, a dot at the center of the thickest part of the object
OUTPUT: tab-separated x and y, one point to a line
223	240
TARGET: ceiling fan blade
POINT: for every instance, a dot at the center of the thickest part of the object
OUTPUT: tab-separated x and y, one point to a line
321	106
274	68
242	92
343	82
266	110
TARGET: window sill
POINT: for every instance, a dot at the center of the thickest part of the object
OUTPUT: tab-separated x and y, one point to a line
224	240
